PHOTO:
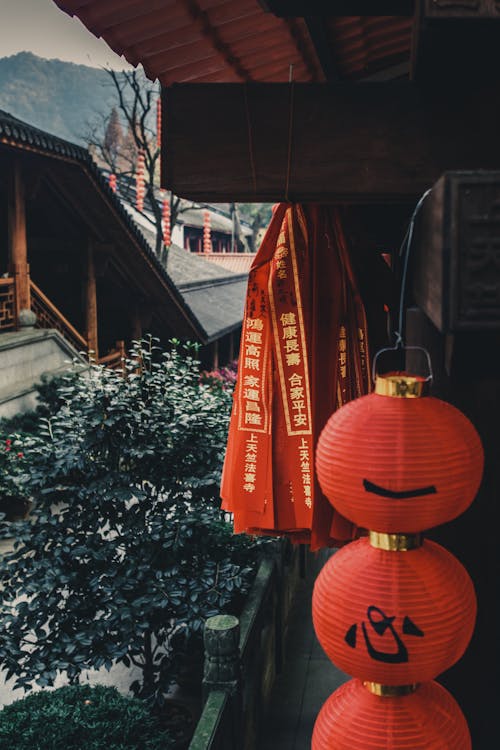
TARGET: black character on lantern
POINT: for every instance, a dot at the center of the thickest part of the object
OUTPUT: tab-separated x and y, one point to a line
398	494
381	624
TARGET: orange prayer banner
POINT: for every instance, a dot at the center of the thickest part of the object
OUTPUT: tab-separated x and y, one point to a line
303	353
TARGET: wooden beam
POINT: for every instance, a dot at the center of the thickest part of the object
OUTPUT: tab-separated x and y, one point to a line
349	143
17	243
303	8
318	31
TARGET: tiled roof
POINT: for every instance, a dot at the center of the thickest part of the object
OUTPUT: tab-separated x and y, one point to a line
215	295
236	262
183	269
21	134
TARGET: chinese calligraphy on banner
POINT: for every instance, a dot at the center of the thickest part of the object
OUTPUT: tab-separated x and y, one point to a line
303	353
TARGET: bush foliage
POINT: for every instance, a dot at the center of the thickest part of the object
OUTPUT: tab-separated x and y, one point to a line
80	716
125	545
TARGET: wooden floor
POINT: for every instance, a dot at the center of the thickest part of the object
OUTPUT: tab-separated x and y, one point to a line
307	679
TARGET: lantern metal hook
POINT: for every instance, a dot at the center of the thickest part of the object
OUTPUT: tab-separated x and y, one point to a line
400	345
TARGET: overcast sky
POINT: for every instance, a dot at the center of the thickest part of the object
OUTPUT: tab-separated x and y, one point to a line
39	26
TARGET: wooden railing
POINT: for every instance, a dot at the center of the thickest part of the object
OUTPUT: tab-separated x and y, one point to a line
237	691
115	359
7	305
48	316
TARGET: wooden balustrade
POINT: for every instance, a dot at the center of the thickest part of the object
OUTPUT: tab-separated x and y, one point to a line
7	305
48	316
115	359
238	678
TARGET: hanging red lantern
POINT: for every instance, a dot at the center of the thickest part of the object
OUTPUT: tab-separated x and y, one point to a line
165	213
207	241
158	123
393	617
399	461
112	182
353	718
139	181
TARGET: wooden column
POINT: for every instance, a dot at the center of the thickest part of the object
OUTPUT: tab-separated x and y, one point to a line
136	324
18	247
215	352
91	304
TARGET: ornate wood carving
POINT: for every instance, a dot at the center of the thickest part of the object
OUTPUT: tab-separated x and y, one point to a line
461	8
457	264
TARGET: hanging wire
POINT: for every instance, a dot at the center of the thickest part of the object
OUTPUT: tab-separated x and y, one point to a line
407	239
404	250
290	133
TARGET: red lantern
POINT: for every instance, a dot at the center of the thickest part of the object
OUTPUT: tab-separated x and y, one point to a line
139	181
167	240
395	618
112	182
207	242
399	464
426	719
158	123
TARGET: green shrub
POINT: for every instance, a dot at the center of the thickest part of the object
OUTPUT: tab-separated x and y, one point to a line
125	544
80	717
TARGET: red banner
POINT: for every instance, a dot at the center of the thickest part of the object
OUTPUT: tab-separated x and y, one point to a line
303	353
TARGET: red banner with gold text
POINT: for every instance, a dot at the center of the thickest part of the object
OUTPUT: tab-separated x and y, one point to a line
303	353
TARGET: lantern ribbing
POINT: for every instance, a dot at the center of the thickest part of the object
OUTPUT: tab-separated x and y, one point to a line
427	718
390	609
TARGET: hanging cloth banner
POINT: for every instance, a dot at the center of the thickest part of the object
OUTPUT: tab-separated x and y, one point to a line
303	354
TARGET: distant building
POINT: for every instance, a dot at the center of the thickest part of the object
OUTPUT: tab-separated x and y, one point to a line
78	274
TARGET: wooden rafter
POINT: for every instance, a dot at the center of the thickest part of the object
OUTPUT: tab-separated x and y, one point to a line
318	31
200	16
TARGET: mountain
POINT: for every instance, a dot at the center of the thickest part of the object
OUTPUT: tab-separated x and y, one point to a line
60	97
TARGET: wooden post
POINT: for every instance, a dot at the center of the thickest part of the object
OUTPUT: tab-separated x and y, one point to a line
18	247
222	668
136	324
91	305
215	359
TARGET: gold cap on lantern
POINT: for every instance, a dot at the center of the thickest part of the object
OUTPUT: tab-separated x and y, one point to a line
400	385
395	542
389	691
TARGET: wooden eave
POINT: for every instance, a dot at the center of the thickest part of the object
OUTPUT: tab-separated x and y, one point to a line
231	41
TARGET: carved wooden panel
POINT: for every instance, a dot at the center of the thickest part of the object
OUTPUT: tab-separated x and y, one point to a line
462	8
457	263
7	305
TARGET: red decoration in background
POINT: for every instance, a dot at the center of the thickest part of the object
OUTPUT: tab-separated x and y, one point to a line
139	181
112	182
165	213
399	464
354	719
207	242
158	122
395	618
